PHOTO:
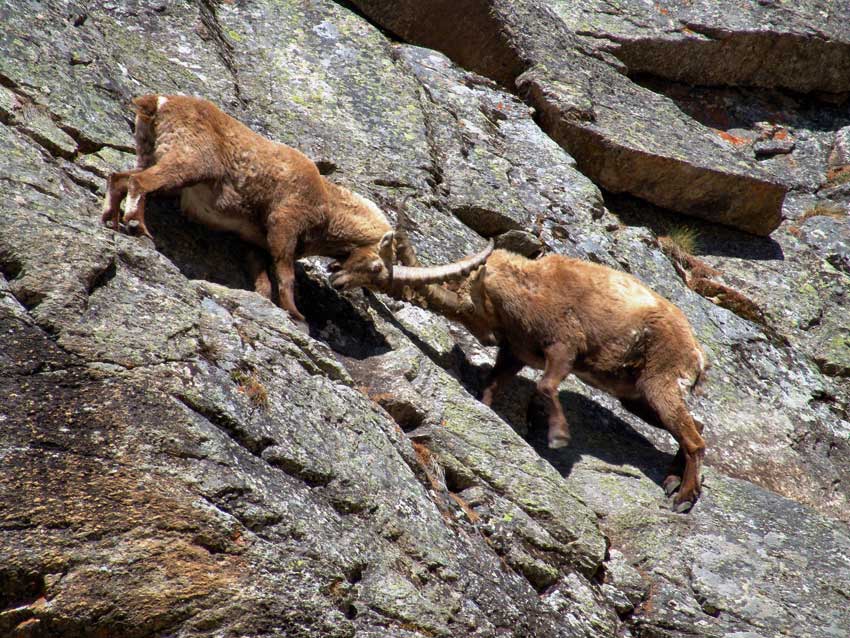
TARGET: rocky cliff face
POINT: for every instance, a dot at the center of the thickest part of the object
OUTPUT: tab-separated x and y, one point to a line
180	460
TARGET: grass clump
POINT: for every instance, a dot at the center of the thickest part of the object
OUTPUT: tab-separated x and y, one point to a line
248	383
680	241
821	209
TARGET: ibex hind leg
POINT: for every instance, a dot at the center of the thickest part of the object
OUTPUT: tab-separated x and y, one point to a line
666	400
641	409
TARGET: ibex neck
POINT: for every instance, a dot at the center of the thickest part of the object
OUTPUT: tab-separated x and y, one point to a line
353	219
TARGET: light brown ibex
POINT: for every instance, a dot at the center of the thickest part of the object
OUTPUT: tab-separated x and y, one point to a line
272	195
565	316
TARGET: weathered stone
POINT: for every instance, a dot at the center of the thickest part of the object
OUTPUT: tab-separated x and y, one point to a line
840	155
180	459
753	43
605	121
686	563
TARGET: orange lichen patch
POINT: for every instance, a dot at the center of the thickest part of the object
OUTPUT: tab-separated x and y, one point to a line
151	583
380	397
416	629
339	588
249	384
364	390
726	297
238	538
466	507
732	139
698	275
780	134
838	174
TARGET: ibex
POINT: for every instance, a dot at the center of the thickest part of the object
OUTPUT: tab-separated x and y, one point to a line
272	195
566	316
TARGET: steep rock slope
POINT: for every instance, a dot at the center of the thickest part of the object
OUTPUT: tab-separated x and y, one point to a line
181	461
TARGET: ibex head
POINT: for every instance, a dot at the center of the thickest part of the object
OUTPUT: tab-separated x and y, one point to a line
368	268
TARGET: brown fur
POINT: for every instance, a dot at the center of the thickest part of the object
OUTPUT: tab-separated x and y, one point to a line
236	180
567	316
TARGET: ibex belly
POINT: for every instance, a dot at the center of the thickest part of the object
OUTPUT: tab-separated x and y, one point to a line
220	210
620	385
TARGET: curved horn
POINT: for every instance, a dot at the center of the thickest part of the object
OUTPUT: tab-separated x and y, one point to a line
444	301
437	274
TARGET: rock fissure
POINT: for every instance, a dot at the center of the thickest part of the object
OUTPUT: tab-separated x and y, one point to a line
223	47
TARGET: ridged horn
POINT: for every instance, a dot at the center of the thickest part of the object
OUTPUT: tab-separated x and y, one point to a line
421	275
442	300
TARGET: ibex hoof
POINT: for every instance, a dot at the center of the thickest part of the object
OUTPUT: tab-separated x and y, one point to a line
682	506
340	280
558	442
671	484
137	229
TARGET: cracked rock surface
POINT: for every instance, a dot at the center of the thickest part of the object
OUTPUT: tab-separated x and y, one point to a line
179	459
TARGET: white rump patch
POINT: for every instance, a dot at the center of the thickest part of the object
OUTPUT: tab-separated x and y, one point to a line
161	101
700	360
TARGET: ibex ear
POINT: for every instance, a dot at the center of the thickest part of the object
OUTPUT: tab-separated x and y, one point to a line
386	249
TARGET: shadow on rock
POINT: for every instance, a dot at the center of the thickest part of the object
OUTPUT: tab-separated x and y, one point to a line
596	431
198	252
222	258
335	319
725	108
712	239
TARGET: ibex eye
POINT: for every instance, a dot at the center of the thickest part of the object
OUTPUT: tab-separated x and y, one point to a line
376	266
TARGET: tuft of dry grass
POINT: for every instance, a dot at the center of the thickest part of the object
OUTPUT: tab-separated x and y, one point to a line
821	209
680	241
248	383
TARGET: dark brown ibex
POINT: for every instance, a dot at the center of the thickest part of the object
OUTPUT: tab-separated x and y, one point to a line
272	195
566	316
